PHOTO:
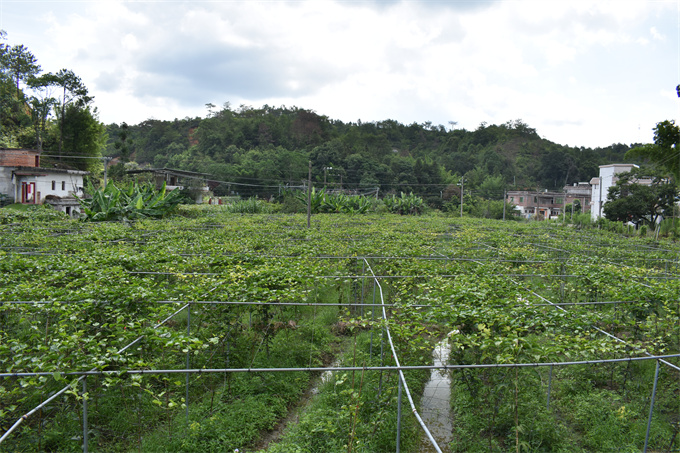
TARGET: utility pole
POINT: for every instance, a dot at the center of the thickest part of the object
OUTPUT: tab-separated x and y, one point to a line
462	188
504	196
309	196
106	164
599	204
325	170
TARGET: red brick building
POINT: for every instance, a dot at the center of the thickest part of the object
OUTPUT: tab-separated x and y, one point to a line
23	180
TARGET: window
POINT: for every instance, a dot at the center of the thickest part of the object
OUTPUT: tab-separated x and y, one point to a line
521	199
54	185
63	185
535	199
512	199
559	200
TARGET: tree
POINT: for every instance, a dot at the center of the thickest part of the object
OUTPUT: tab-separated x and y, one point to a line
3	53
13	116
641	196
41	103
666	148
84	137
73	92
124	143
20	64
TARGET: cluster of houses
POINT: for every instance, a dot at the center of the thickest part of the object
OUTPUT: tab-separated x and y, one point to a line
24	180
590	196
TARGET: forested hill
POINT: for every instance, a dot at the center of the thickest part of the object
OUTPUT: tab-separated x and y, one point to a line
262	149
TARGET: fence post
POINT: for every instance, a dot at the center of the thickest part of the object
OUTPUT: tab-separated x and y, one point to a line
382	361
651	406
363	282
85	428
186	397
370	349
549	387
399	413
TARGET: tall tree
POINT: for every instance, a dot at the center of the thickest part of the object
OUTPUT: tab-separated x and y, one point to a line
42	101
84	137
74	93
124	143
20	64
3	53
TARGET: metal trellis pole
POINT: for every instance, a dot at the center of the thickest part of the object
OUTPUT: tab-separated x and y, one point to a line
85	428
651	406
186	398
549	387
399	414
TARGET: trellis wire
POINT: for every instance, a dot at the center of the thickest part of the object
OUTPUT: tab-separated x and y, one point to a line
382	368
402	379
614	337
344	368
63	390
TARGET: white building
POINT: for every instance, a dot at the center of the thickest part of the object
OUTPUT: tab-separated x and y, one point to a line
22	180
600	186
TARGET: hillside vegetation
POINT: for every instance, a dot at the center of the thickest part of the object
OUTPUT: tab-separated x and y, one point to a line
258	150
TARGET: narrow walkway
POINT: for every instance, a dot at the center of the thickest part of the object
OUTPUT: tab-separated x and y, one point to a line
435	406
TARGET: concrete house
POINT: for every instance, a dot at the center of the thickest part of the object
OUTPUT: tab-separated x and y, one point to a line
549	204
600	185
23	180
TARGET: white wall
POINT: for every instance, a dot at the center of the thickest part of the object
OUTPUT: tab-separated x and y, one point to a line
71	182
606	180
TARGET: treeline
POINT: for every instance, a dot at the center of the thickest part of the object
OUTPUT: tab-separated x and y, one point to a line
258	151
48	111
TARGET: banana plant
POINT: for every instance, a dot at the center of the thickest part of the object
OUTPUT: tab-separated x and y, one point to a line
135	202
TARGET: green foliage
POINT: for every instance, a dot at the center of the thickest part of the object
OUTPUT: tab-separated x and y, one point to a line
665	151
631	200
323	202
91	289
405	204
30	104
263	148
249	206
136	202
83	137
30	213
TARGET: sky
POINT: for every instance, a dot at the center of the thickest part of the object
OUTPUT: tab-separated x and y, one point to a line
582	73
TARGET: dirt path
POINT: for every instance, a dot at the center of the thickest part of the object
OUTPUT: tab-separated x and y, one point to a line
295	411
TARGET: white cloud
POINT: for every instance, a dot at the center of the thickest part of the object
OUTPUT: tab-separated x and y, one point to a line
574	70
656	35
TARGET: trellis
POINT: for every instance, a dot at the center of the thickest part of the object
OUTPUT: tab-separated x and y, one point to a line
359	293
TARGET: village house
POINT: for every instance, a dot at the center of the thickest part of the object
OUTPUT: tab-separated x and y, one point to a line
549	204
23	180
600	185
